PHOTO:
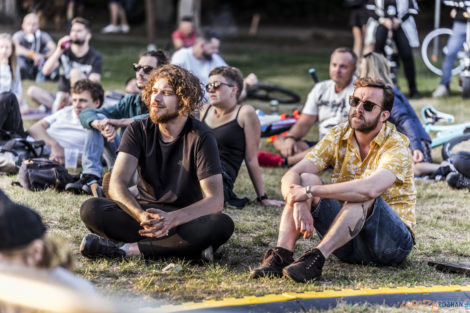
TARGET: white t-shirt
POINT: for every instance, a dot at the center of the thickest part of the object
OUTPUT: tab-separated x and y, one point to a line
201	68
331	107
65	127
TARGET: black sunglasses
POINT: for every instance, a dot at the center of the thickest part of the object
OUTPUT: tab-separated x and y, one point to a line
368	105
147	69
216	85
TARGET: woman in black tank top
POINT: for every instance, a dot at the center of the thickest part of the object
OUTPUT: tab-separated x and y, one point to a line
237	130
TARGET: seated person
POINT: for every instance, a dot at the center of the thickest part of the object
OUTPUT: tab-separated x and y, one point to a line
112	97
25	243
326	103
102	124
185	35
237	130
75	60
367	213
10	118
177	208
63	130
33	47
374	65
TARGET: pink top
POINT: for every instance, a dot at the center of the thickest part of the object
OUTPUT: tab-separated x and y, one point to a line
188	41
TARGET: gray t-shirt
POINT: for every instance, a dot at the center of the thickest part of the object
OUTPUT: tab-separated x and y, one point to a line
36	42
331	107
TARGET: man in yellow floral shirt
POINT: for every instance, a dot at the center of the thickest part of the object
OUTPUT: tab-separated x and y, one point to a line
367	213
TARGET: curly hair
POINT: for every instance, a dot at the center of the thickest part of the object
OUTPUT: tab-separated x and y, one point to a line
94	88
185	85
389	94
232	74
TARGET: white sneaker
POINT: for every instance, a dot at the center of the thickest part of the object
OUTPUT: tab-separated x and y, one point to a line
125	29
111	29
441	91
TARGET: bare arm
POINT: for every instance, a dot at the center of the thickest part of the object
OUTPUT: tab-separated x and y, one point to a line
53	61
177	43
286	144
292	177
95	77
51	46
123	170
356	191
39	132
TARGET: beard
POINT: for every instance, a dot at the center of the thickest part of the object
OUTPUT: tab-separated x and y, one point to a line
365	127
79	42
207	56
162	118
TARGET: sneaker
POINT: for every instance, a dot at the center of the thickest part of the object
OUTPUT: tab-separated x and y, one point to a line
125	29
94	246
208	254
307	267
88	183
270	159
275	259
111	29
458	181
441	91
442	172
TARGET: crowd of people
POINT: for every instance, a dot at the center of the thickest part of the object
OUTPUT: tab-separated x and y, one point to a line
174	145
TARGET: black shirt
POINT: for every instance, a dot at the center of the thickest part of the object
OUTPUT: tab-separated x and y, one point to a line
91	62
169	173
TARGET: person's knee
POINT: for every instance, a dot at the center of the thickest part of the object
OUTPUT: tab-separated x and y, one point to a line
310	179
88	211
224	224
8	98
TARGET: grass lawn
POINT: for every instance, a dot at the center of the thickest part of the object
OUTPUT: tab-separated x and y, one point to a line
443	218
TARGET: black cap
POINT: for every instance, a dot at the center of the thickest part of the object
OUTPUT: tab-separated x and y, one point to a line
19	225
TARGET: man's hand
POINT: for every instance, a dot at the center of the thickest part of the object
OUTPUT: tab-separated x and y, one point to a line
396	23
288	147
109	132
387	22
158	223
272	202
417	156
57	154
296	193
303	219
37	59
61	41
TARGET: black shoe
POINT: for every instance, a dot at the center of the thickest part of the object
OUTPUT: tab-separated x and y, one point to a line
94	246
88	183
307	267
415	94
442	172
458	181
275	259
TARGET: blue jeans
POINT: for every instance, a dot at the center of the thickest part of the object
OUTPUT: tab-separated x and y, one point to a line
96	146
384	239
454	44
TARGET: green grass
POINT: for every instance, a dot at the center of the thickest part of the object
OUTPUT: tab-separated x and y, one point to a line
443	218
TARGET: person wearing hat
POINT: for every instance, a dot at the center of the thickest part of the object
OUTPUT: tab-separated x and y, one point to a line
24	242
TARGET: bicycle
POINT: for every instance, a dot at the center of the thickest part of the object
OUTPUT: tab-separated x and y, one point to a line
449	136
268	92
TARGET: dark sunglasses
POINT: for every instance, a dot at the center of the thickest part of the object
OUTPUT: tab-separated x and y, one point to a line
147	69
368	105
216	85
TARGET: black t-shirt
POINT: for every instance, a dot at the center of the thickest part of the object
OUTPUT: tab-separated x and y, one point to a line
91	62
169	173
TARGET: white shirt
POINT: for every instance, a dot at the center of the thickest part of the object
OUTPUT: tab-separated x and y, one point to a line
331	107
66	129
201	68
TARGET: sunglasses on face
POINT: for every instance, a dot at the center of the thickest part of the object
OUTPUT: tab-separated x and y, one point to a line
147	69
367	105
215	86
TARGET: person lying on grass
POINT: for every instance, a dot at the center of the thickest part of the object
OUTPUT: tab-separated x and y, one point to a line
367	213
237	130
177	208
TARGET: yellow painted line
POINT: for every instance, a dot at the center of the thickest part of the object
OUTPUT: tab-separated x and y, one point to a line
287	296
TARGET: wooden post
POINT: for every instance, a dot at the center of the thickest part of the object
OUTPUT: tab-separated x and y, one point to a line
254	24
150	23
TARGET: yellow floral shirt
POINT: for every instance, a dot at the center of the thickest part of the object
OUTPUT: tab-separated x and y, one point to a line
388	150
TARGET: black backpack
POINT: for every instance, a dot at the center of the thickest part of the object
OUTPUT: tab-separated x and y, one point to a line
40	174
15	150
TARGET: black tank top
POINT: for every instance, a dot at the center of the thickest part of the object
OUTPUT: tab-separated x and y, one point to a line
231	143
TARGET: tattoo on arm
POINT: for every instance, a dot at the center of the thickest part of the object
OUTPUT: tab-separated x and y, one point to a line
359	224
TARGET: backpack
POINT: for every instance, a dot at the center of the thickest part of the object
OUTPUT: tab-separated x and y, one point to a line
40	174
14	151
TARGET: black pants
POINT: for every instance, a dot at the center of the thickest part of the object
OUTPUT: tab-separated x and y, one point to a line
404	51
461	161
10	116
106	219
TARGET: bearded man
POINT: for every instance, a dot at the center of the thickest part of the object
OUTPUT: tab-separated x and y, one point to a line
176	209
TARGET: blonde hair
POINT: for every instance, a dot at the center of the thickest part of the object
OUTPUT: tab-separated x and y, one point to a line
12	58
374	65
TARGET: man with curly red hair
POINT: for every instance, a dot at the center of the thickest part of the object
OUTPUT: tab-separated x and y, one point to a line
176	207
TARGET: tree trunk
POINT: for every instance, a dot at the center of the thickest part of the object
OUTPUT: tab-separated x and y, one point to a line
190	8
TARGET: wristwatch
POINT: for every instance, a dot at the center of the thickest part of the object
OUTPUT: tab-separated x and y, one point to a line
308	192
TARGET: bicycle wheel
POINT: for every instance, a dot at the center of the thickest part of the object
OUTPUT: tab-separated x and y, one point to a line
268	92
460	143
433	58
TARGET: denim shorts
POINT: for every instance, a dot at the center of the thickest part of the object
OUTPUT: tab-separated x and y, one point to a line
384	239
